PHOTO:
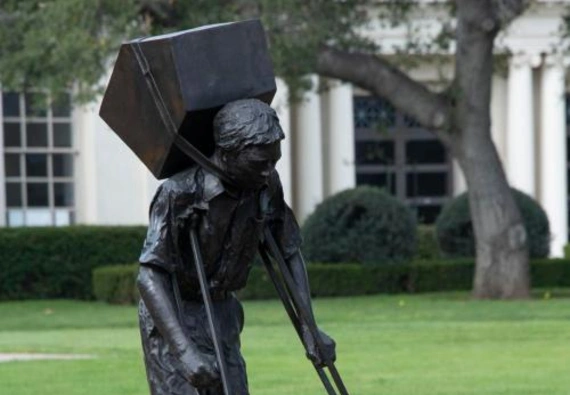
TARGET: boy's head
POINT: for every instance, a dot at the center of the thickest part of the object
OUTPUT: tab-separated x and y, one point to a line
246	122
247	136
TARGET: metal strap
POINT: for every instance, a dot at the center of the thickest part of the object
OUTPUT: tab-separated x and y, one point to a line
184	145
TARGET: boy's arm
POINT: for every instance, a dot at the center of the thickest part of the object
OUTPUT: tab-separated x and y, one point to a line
285	230
298	270
155	287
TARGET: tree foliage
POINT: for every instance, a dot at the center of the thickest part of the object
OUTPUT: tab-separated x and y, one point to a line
59	45
70	44
64	44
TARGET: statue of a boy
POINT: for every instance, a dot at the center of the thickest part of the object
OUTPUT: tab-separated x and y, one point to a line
179	354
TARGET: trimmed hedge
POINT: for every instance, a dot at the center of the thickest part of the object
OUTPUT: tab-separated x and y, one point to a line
550	273
37	263
117	284
334	280
360	225
455	229
567	251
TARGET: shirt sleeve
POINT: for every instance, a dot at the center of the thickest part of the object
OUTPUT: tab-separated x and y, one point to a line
159	245
173	204
282	221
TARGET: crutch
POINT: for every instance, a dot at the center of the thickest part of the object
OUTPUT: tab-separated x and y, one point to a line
208	304
298	314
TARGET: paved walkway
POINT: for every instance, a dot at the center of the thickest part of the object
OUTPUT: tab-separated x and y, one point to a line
10	357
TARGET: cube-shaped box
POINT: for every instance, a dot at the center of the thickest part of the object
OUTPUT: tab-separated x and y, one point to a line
195	72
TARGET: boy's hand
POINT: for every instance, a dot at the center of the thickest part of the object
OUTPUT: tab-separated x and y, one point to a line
314	353
200	369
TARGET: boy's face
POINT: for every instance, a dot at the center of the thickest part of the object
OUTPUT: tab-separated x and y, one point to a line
251	166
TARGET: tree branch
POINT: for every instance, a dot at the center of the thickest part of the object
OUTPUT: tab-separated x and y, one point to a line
380	77
159	10
507	10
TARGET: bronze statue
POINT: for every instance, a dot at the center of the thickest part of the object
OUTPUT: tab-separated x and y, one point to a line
179	353
184	115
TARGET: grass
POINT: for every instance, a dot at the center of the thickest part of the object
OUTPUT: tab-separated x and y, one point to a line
440	344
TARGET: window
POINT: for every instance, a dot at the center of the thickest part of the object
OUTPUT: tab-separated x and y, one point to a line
395	153
38	160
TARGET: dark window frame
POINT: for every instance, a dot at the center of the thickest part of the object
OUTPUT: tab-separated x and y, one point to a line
26	115
401	131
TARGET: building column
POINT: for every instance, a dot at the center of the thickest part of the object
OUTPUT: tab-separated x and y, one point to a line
553	165
84	129
520	124
3	208
341	170
308	156
499	114
459	182
285	165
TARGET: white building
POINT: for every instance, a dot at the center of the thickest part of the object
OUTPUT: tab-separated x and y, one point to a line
65	166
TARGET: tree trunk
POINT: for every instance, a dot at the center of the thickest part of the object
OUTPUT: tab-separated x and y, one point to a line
502	269
463	123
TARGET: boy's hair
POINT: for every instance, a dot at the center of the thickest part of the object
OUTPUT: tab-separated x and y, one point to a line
246	122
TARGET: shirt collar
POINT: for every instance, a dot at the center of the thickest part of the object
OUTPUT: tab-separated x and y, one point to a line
213	187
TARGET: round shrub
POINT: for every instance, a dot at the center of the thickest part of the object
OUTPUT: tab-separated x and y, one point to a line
455	230
427	243
364	225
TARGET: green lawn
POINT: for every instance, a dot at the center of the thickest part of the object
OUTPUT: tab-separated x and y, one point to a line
397	345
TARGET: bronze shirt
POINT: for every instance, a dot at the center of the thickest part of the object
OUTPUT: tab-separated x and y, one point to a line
229	229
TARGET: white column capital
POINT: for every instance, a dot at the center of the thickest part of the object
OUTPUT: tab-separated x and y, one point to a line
332	83
556	60
523	59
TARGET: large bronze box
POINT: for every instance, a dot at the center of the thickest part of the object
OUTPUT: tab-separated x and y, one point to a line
195	72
